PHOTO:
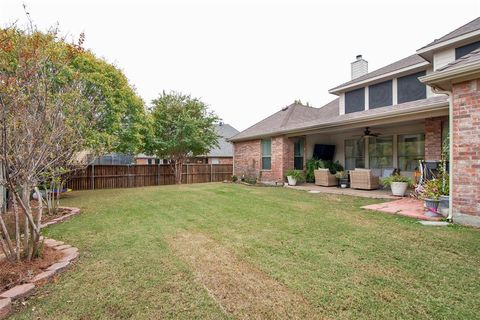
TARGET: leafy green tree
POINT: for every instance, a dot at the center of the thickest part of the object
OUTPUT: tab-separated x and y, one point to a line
182	127
120	112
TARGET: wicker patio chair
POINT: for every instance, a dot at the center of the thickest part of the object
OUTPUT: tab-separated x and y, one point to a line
324	178
363	179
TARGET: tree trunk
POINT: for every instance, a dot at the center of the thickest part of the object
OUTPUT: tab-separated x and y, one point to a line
178	171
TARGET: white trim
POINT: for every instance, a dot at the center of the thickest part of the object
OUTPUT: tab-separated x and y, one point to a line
394	91
367	101
379	77
448	42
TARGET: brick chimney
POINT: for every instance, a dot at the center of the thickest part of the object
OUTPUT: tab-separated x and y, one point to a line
359	67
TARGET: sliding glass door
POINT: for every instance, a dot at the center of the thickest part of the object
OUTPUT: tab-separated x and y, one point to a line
354	154
380	152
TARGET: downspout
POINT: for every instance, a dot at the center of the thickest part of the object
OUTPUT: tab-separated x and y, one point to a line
450	147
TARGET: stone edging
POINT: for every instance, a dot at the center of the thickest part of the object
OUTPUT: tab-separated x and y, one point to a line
68	216
23	291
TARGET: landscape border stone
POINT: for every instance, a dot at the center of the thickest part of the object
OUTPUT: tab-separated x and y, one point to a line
25	290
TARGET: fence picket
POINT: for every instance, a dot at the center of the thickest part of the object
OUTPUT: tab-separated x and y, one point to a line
131	176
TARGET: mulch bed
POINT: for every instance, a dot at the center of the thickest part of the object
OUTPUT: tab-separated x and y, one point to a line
14	273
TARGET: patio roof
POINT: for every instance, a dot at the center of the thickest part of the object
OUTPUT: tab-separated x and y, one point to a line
279	124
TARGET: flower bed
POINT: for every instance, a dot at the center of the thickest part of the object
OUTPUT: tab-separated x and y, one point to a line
58	257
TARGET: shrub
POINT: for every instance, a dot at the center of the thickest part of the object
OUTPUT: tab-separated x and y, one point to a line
314	164
296	174
234	178
396	178
341	175
432	189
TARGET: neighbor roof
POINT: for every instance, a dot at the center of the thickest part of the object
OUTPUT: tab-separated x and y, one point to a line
409	61
294	114
473	25
225	148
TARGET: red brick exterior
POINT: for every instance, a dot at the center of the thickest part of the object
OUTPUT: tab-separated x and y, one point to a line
433	138
248	158
466	149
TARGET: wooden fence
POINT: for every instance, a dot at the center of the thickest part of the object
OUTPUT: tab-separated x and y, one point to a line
132	176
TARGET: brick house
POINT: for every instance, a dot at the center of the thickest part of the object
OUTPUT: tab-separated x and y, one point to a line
388	118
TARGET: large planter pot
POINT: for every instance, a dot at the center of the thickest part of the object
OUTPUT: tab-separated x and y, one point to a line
432	204
291	181
399	188
443	205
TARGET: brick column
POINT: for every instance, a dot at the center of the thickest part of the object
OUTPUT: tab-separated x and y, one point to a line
466	152
433	138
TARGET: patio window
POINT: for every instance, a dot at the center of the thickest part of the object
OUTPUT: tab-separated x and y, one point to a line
354	154
411	149
266	154
380	152
298	150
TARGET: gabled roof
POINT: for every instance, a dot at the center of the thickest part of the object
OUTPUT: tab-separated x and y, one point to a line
409	61
472	57
473	25
225	148
328	116
293	115
464	69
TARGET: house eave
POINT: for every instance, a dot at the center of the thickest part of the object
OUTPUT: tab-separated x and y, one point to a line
400	72
432	110
443	80
427	51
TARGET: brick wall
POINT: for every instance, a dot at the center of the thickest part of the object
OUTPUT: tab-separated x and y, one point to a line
247	159
466	152
433	138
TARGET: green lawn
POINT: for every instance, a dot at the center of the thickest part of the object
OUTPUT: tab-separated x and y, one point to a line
346	262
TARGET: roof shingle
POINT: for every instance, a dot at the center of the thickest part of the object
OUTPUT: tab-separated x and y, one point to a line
467	28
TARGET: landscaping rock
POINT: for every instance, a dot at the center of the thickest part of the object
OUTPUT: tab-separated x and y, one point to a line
5	308
70	256
43	277
19	292
52	243
59	266
62	247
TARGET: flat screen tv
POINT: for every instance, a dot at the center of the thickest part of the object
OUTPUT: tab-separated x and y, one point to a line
324	151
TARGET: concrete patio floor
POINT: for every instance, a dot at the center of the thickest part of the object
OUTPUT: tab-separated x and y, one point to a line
375	194
408	207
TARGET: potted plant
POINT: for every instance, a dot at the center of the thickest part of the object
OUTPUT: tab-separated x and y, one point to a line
430	192
294	176
342	177
398	184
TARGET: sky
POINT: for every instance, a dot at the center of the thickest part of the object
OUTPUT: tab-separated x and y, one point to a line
246	59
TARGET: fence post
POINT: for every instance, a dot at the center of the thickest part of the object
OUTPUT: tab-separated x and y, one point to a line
93	176
188	172
211	172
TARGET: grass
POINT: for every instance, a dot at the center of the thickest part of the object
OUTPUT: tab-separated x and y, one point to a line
346	262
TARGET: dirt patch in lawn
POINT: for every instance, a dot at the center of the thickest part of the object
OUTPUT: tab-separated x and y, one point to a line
12	273
240	289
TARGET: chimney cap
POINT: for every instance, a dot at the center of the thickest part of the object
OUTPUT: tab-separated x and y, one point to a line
359	56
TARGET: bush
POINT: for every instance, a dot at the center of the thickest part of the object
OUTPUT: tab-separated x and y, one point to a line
296	174
432	189
314	164
396	178
234	178
341	175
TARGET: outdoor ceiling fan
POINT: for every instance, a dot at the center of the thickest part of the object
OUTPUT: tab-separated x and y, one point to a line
368	134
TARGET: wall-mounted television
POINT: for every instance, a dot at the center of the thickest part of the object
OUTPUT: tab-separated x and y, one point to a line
324	151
